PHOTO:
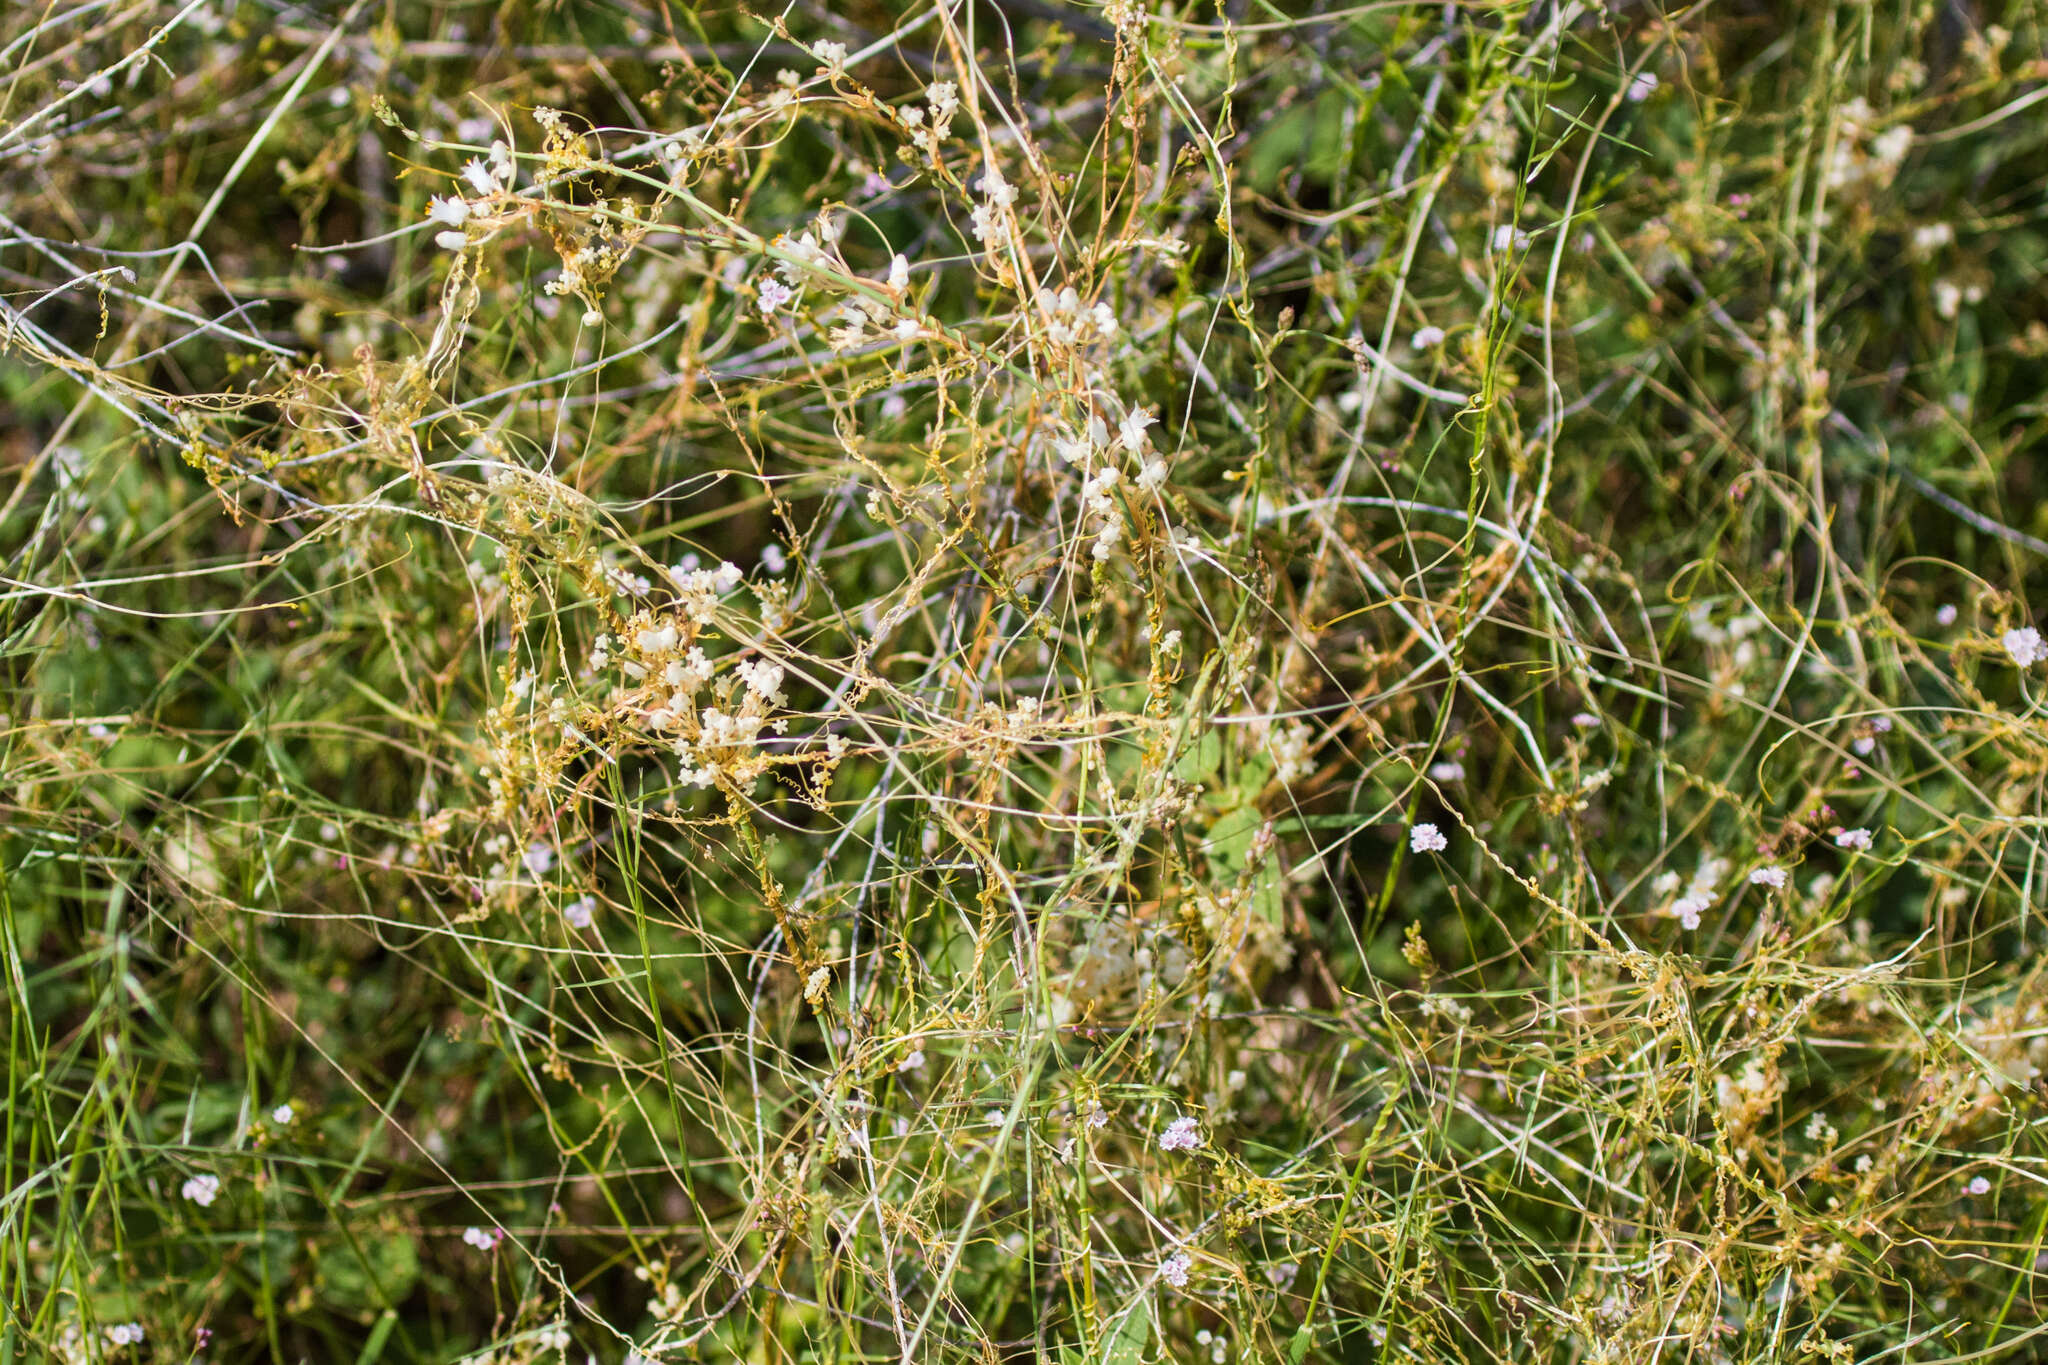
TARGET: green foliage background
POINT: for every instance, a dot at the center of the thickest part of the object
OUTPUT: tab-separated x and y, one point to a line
1605	432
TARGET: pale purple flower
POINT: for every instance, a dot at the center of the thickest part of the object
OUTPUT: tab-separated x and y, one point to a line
1768	875
578	912
1174	1269
1427	839
202	1189
1979	1186
774	294
1945	614
1182	1135
1858	839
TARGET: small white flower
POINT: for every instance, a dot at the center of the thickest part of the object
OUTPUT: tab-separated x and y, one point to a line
1152	477
1945	614
281	1115
1978	1186
1182	1135
831	56
451	209
1427	839
1174	1269
774	294
578	913
1688	909
1426	338
1642	87
1131	431
2026	646
913	1061
125	1334
1863	1163
481	1240
480	177
451	240
1773	877
1853	838
202	1189
1447	771
1584	720
899	274
538	859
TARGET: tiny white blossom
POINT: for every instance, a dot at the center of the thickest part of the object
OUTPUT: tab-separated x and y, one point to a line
539	858
1174	1269
451	240
480	177
831	56
1773	877
202	1189
578	913
480	1239
282	1114
125	1334
1979	1186
2026	646
1427	838
774	294
1642	87
1182	1135
913	1061
1426	337
1945	614
899	274
1152	477
451	209
1688	909
1853	838
1131	431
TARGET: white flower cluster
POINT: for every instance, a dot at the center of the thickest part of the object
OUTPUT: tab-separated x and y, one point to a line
1862	156
1182	1135
997	196
1291	760
1097	492
857	315
1427	838
202	1189
2026	646
1699	896
487	178
1069	322
930	122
